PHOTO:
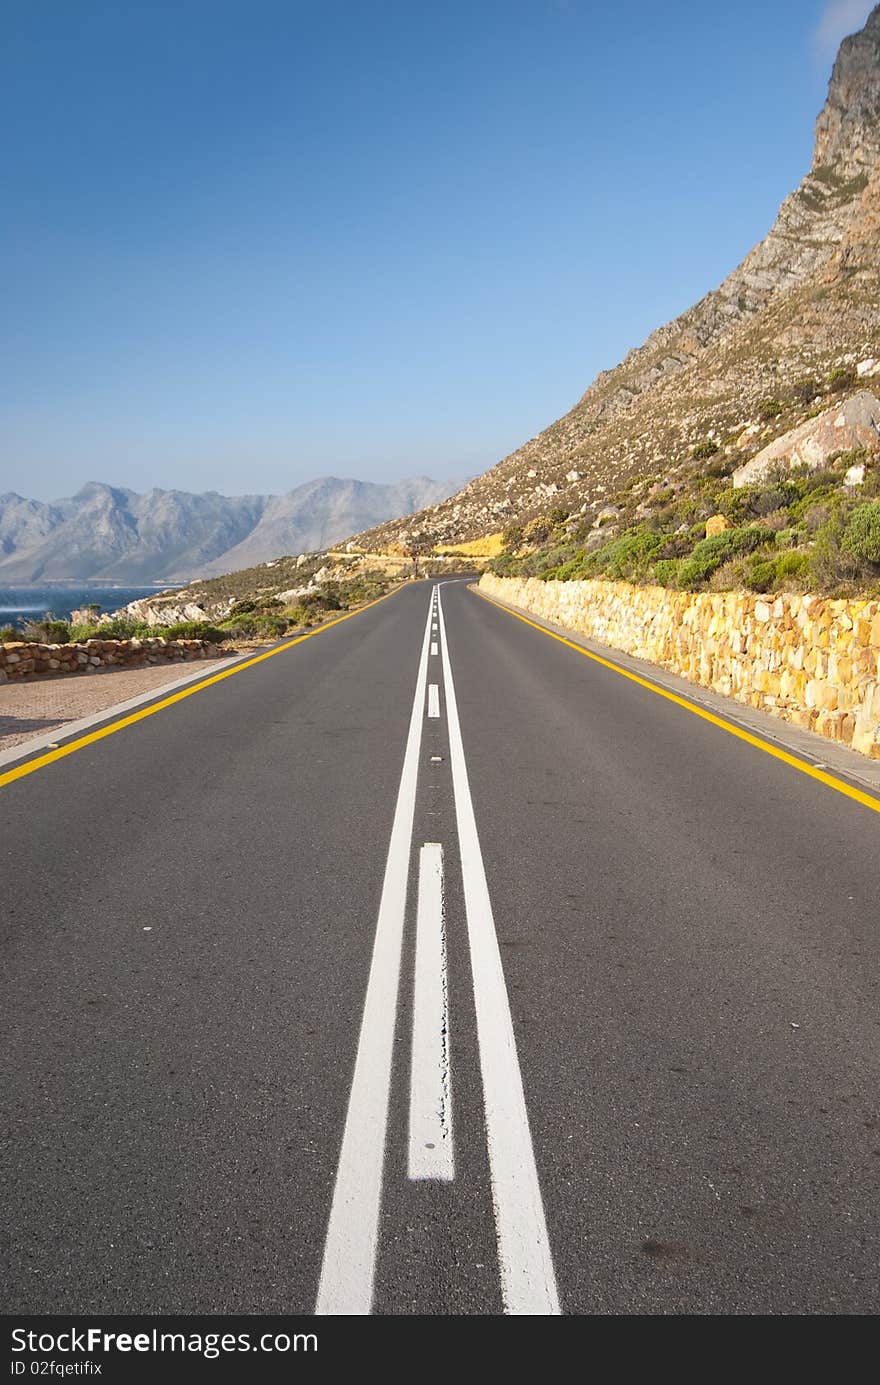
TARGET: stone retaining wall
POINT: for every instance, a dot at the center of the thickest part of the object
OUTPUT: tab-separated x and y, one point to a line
22	659
811	661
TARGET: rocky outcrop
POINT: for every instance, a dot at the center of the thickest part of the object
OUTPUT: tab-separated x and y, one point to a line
812	662
848	128
843	428
23	659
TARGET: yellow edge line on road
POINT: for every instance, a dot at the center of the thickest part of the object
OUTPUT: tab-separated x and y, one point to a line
829	780
41	761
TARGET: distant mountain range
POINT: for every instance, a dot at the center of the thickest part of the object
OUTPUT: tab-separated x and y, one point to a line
105	533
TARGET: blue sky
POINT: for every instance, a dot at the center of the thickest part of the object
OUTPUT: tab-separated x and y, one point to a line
248	243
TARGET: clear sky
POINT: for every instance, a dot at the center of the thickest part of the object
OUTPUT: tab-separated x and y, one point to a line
249	242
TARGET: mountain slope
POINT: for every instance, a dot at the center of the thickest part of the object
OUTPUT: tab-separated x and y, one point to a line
804	301
111	534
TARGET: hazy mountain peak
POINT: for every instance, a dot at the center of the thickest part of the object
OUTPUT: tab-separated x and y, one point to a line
106	532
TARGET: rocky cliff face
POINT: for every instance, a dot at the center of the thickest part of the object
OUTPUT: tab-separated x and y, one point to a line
805	301
107	533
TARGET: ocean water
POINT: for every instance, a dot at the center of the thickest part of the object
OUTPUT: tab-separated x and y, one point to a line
18	604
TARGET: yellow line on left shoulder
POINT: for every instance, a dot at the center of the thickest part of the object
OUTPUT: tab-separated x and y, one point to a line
830	781
31	766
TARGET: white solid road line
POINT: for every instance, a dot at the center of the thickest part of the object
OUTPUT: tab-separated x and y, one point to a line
433	700
528	1280
348	1267
430	1105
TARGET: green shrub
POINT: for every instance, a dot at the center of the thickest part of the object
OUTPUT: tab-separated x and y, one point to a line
861	538
626	557
769	574
704	449
122	628
786	538
296	616
512	536
841	378
817	496
48	631
245	627
536	530
665	571
272	627
710	553
193	630
770	408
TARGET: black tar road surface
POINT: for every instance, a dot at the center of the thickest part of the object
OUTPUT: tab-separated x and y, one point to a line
373	978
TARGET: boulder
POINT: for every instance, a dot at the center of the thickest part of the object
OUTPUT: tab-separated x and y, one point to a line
716	524
855	423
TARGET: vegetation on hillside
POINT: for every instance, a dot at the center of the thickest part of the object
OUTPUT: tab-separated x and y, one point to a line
795	531
258	615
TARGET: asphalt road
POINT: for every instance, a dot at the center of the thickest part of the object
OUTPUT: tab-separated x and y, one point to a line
559	999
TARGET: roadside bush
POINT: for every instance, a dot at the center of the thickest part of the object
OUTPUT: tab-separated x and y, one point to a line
48	631
325	598
122	628
296	616
710	553
828	565
627	557
271	627
861	538
192	630
665	572
244	626
770	408
769	574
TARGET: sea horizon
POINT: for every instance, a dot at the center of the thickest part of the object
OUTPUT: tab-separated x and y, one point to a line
21	601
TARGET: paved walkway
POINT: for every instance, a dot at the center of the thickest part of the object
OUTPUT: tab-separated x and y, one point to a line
36	705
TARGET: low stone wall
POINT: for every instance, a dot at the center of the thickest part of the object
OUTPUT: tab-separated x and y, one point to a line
813	662
22	659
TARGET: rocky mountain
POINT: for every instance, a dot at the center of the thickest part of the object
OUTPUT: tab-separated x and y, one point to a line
320	513
749	361
111	534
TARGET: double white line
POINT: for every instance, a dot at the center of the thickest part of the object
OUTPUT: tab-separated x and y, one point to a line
528	1281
